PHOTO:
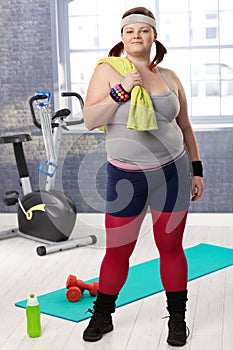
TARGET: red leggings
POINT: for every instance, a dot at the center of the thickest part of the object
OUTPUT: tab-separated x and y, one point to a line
122	234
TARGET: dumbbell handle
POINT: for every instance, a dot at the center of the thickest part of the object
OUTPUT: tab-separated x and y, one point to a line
73	281
84	284
92	287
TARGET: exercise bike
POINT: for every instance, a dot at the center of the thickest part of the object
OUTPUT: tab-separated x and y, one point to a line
48	215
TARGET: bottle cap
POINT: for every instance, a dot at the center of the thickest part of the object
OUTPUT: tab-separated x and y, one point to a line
32	300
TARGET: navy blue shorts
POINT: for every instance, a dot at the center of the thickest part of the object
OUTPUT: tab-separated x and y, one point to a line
167	189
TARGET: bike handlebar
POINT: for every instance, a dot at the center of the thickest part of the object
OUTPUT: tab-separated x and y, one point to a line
31	101
64	112
70	94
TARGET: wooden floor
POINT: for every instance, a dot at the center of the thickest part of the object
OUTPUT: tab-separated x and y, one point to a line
139	325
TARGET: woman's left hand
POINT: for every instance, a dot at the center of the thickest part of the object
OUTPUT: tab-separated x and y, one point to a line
197	187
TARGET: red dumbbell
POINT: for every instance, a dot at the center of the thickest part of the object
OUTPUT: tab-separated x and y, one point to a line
92	287
71	281
73	294
76	288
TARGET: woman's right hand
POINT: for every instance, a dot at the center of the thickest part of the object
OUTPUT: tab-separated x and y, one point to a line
130	80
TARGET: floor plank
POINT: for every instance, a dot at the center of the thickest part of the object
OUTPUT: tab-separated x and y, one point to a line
139	325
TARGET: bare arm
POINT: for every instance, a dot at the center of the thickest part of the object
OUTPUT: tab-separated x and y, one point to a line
186	127
189	140
99	106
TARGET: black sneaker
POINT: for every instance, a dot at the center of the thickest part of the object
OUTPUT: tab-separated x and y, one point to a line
98	325
178	332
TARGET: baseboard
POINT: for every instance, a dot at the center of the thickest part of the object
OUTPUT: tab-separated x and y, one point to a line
210	219
7	219
194	219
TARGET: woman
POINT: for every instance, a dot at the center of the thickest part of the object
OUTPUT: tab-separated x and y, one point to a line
150	146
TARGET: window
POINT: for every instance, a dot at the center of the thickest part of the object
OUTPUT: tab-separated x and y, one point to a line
198	35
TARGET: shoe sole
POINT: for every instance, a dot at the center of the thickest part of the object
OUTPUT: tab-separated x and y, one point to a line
93	339
175	343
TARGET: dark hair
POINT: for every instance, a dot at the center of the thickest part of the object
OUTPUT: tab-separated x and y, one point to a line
161	50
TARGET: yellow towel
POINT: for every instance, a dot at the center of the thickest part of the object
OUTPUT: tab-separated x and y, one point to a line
141	114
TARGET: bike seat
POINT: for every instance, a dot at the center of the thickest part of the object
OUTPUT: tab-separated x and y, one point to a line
15	138
62	113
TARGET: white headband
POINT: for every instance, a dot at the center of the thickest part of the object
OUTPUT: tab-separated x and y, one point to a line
137	18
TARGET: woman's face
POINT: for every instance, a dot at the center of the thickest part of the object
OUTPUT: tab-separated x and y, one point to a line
138	38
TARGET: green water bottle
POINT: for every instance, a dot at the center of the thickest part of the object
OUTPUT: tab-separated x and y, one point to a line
33	317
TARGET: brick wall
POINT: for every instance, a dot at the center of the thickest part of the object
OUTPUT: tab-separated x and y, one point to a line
26	67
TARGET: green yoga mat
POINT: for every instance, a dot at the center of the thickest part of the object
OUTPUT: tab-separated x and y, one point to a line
143	281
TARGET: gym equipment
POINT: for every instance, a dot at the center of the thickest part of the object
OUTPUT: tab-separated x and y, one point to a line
92	287
76	288
47	215
73	294
47	132
143	281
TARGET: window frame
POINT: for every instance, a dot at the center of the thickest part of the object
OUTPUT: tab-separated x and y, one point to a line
61	64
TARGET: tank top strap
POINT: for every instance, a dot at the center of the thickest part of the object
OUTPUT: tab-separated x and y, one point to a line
165	78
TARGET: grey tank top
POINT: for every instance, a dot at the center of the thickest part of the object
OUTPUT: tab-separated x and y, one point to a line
147	148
